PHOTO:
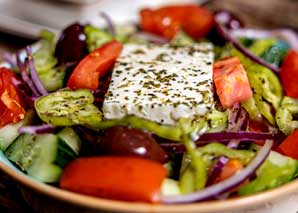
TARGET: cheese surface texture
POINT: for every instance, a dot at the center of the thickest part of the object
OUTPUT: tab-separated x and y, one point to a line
161	83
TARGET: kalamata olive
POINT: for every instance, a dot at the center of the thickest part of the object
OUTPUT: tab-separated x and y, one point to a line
71	46
120	140
228	19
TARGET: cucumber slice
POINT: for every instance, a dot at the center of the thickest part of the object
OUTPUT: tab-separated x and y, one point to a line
9	132
40	156
71	138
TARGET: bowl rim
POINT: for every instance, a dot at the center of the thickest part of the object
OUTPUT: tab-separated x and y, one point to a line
95	203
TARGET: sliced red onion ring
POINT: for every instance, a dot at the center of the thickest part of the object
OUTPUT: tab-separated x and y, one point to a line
25	77
287	35
223	32
238	120
216	169
23	90
223	137
41	129
226	185
251	33
34	76
10	59
228	19
110	24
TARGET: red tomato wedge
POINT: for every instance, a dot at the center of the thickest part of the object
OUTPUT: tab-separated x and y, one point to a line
11	107
289	74
199	23
119	178
167	21
231	82
94	66
289	146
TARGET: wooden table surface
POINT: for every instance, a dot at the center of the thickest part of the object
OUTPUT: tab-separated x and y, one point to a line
272	12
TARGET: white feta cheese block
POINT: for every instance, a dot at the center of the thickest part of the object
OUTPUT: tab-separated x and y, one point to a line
161	83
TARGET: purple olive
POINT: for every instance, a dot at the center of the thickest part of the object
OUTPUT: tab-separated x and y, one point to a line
120	140
71	46
228	19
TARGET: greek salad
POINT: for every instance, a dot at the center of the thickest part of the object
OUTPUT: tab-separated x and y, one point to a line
185	106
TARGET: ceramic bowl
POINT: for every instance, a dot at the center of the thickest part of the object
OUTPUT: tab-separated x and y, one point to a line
52	199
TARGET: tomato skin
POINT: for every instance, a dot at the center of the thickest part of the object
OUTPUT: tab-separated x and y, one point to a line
11	106
289	74
231	82
169	20
198	27
229	169
113	177
289	146
94	66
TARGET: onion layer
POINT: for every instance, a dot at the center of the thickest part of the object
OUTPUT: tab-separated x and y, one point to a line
41	129
223	186
223	137
110	24
34	76
228	37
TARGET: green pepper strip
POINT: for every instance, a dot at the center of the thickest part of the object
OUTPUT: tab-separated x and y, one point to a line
284	115
217	150
275	171
266	87
66	108
187	181
164	131
197	164
216	119
96	37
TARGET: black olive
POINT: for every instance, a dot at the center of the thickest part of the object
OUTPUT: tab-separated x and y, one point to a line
120	140
71	46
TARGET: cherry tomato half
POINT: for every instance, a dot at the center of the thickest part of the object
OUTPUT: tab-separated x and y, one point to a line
167	21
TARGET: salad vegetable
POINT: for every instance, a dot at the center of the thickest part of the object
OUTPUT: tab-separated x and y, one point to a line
231	82
94	66
184	107
288	146
288	74
124	178
67	108
12	106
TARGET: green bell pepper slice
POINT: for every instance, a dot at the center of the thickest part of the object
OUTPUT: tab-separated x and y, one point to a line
260	46
51	76
181	39
195	175
216	121
96	37
285	115
275	171
67	108
267	89
218	149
